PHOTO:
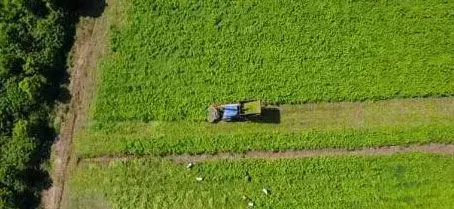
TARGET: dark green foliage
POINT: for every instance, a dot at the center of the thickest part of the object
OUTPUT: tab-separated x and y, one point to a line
32	40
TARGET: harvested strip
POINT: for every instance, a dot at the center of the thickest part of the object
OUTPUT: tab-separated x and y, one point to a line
291	127
447	149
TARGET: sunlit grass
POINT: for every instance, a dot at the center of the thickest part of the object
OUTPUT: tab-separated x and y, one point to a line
398	181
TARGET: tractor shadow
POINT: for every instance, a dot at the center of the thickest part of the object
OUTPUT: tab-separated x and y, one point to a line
269	115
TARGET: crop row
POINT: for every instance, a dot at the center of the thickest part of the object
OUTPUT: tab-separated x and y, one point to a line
398	181
195	138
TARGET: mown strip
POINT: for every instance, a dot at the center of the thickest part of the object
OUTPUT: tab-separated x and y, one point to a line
445	149
398	181
310	126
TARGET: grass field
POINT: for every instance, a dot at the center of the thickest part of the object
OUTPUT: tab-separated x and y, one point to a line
169	60
172	58
311	126
399	181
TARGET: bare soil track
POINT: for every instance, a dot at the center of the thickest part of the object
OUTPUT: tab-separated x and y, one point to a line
88	47
372	151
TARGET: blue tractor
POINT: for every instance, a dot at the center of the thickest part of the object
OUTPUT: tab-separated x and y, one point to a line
234	111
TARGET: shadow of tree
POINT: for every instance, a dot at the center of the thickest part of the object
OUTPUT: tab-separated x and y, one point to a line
90	8
36	177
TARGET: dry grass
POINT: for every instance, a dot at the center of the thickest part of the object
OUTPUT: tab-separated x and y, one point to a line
368	114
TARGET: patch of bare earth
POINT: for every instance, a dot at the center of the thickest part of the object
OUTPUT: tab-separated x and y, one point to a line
87	49
446	149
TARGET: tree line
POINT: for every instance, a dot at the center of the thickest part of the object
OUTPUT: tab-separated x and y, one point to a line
33	48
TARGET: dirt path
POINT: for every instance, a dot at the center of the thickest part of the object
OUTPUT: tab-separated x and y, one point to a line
372	151
88	47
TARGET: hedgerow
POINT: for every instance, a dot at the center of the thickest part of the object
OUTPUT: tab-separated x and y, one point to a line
174	58
398	181
32	64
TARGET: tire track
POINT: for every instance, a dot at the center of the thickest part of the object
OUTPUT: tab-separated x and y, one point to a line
444	149
88	48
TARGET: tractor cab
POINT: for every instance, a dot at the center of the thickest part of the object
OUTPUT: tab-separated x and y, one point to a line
234	111
231	111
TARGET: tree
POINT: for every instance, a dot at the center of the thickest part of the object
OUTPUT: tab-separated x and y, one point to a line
32	50
32	85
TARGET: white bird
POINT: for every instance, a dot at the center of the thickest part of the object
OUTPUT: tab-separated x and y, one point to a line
190	165
199	178
266	191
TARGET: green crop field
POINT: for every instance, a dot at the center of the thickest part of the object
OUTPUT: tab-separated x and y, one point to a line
334	74
399	181
173	58
169	60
